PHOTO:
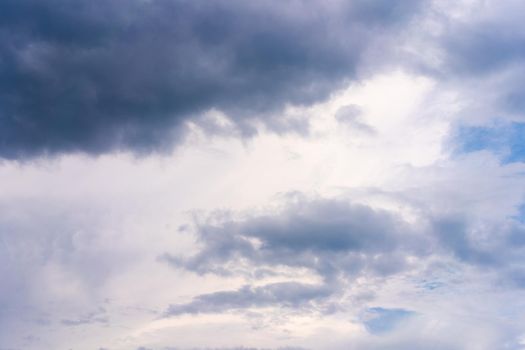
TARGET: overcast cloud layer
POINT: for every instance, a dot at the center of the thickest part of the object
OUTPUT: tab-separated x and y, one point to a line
262	175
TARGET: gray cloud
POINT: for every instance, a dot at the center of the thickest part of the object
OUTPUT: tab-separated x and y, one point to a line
350	116
96	317
285	294
480	55
338	241
95	76
334	239
493	248
330	237
493	55
487	45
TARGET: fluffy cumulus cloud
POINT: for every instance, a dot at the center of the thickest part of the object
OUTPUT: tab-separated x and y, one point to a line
237	175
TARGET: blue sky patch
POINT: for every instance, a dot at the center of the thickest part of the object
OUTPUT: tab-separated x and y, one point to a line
506	140
380	320
520	217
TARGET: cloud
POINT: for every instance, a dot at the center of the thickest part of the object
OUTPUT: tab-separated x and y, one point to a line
284	294
350	116
329	237
340	242
496	248
97	76
474	49
334	239
52	255
486	42
98	316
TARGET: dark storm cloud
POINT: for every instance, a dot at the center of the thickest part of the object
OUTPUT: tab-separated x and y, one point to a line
95	76
285	294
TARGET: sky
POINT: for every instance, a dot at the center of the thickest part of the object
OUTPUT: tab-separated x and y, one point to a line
262	175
